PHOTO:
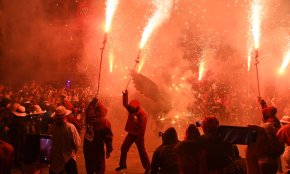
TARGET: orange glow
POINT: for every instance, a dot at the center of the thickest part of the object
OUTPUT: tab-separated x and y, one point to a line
256	22
163	8
285	62
249	59
141	65
111	6
111	61
201	69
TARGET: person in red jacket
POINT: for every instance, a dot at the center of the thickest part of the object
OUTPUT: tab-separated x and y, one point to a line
135	126
98	134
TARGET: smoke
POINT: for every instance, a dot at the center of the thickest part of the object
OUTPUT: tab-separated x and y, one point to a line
46	39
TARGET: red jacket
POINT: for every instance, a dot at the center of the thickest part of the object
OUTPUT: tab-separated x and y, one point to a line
136	122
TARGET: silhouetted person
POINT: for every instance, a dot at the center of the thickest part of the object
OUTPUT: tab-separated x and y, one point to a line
164	160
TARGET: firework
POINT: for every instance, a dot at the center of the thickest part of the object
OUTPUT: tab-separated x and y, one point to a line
201	69
163	8
256	22
111	6
111	61
285	62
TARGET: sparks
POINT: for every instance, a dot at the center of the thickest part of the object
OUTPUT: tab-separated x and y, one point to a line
285	62
111	6
163	8
111	61
249	59
201	69
256	22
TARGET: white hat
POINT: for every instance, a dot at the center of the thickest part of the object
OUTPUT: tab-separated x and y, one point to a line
285	119
20	111
36	109
61	111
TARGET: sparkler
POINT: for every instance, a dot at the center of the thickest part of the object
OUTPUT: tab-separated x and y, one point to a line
282	70
201	69
256	23
162	12
285	63
111	61
111	6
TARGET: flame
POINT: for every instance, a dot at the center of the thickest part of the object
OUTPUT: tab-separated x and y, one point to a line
163	8
249	59
111	6
141	65
111	61
256	22
285	63
201	69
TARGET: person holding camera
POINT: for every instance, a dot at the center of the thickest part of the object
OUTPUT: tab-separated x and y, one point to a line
135	126
164	160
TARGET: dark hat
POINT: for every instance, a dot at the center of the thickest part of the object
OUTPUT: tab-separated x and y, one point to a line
269	113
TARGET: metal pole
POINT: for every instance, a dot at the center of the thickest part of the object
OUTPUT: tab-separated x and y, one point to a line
135	66
257	71
100	67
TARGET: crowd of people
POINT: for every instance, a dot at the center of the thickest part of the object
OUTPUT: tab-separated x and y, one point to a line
62	113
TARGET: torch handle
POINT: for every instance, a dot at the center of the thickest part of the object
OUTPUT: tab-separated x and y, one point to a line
100	67
257	71
135	66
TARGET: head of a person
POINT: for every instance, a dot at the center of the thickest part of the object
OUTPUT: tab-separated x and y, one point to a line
134	106
192	132
209	124
60	114
285	120
169	136
269	114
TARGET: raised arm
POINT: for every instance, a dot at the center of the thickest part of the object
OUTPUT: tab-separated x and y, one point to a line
125	99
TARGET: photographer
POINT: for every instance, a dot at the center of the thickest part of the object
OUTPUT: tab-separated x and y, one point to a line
164	160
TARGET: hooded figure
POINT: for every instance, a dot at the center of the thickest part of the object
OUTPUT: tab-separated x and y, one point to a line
269	116
98	134
135	126
164	160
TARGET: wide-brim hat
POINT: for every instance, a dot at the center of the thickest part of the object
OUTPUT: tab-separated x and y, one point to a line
285	119
20	111
60	112
36	109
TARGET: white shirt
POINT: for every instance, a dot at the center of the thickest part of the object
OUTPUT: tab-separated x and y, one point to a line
65	142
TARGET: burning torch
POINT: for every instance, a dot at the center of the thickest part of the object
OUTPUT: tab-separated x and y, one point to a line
111	6
162	12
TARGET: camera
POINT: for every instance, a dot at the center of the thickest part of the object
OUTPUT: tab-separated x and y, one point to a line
38	148
45	145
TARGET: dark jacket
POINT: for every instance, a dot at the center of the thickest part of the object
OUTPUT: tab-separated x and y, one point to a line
164	159
219	153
